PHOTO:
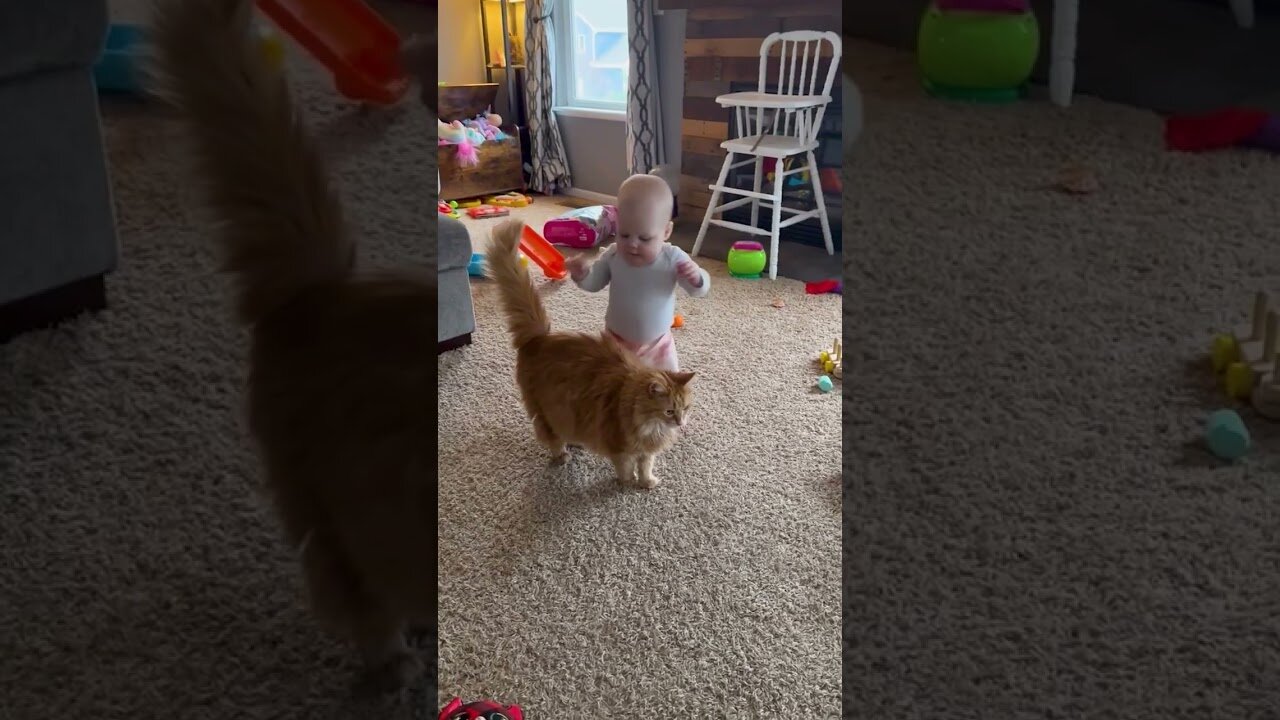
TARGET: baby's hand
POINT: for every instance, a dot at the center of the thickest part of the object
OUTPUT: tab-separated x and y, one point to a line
578	265
689	271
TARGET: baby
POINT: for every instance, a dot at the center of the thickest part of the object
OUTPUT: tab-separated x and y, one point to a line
643	271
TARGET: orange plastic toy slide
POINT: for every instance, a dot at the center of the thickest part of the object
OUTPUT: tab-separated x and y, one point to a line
349	39
543	254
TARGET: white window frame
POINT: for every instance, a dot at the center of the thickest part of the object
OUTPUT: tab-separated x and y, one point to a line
568	102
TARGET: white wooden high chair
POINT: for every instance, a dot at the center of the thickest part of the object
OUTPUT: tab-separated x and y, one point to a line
778	125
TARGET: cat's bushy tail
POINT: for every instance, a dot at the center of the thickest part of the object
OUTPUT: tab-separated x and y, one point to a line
282	228
526	316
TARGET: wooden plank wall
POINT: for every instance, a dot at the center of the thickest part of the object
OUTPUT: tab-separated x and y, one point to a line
722	45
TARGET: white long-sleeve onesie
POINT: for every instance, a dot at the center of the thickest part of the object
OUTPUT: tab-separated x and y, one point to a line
642	300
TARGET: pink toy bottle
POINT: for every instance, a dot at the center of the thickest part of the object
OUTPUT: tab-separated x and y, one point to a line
582	228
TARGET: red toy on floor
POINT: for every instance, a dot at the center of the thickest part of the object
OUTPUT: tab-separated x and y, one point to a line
821	287
480	710
1214	131
487	211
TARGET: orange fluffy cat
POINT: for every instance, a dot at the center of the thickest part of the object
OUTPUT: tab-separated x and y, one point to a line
342	387
582	389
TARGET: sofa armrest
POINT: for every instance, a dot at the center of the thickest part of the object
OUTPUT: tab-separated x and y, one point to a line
455	243
57	219
50	35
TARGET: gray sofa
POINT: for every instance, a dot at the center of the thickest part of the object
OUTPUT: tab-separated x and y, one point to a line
457	318
57	224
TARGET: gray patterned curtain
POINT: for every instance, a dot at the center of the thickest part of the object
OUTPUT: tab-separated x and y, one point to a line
546	148
644	111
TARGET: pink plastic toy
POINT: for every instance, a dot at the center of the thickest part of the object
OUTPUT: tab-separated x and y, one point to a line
583	228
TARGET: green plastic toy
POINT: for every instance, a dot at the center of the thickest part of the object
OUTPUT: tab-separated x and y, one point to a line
746	259
977	56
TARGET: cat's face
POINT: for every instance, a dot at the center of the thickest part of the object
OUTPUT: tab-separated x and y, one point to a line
670	399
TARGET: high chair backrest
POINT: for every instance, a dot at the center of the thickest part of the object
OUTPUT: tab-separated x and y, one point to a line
800	61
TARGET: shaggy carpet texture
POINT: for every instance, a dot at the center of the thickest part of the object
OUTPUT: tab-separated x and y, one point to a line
717	592
141	573
1032	528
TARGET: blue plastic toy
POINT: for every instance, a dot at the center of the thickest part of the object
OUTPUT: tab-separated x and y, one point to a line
476	268
825	384
117	68
1226	435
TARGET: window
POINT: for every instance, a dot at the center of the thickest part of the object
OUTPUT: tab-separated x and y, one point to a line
592	53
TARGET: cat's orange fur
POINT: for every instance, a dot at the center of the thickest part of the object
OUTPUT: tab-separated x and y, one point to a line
582	389
342	387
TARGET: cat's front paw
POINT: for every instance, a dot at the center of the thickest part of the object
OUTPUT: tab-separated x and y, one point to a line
649	481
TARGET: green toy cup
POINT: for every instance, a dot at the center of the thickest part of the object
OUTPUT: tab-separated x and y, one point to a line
746	259
977	56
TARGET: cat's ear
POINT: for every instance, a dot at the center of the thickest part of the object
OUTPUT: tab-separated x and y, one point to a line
680	378
656	388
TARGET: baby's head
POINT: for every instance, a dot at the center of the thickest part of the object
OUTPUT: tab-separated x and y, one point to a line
644	218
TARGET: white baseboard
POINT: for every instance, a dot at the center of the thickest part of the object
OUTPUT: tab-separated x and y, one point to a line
596	197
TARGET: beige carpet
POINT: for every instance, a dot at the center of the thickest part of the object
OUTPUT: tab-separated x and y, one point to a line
1033	531
718	592
140	576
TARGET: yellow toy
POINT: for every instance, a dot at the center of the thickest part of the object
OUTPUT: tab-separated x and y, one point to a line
793	179
831	361
1238	381
465	204
1248	352
272	48
513	199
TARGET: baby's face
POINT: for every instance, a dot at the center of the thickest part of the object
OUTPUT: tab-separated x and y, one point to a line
641	234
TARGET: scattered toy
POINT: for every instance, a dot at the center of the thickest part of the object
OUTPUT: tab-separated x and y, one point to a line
544	254
480	710
1226	436
476	267
513	199
830	179
1226	128
825	384
583	228
821	287
487	211
778	302
1245	354
831	361
746	260
677	321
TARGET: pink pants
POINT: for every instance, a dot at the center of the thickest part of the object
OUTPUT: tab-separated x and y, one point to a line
660	353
